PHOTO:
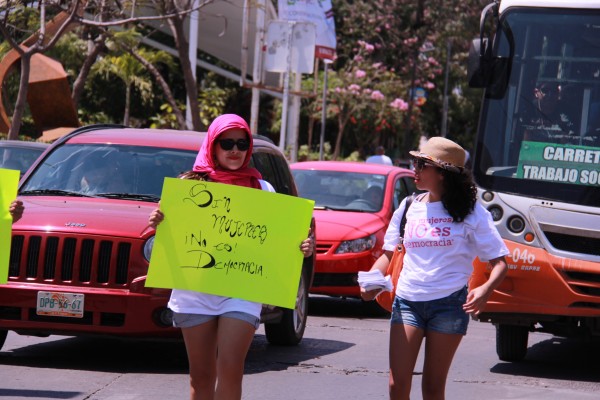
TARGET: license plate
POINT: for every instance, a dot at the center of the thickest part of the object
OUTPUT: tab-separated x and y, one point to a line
60	304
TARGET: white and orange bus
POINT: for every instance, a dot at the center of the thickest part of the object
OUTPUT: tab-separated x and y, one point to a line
537	165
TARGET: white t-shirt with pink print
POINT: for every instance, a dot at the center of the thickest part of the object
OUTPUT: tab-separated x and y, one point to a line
440	252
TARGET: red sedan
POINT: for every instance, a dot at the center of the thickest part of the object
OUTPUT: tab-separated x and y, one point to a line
354	203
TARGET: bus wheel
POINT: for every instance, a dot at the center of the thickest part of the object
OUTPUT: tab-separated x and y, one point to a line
511	342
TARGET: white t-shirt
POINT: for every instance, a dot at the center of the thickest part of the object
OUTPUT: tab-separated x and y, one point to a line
439	252
191	302
381	159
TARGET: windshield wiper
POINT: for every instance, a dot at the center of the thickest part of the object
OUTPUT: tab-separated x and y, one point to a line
53	192
131	196
329	208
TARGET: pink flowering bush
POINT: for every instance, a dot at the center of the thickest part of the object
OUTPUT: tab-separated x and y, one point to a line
399	104
385	47
377	95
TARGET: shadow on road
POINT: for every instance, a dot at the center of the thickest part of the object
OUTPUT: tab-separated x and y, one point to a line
264	357
558	358
163	357
101	354
325	306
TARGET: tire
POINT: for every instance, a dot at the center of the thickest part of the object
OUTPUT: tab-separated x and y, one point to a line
290	330
3	334
511	342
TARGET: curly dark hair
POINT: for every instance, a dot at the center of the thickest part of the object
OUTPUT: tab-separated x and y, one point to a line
459	195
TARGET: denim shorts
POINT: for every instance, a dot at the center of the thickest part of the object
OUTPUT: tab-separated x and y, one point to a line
184	320
444	315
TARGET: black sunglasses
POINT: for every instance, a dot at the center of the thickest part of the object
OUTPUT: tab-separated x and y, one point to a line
420	164
241	144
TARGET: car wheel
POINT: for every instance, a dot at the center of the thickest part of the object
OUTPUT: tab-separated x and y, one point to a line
511	342
3	334
290	330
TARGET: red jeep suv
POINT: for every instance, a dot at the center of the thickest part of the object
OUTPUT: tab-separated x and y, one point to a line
84	239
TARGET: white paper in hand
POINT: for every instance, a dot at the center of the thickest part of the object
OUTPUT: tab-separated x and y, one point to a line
372	280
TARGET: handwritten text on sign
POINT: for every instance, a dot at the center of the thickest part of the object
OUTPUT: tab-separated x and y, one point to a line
230	241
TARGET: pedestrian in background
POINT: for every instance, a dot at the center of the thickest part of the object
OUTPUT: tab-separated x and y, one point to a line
446	228
379	157
218	330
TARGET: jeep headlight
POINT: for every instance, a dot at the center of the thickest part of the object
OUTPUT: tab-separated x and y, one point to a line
148	248
356	245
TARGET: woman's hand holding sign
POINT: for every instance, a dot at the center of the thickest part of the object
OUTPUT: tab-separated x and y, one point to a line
16	210
156	217
306	247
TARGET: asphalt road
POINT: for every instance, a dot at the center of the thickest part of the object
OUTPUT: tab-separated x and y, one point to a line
343	356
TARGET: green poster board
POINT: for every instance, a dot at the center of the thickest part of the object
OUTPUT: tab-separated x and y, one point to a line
230	241
9	181
560	163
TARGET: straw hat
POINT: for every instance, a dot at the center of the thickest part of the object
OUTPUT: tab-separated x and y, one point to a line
442	153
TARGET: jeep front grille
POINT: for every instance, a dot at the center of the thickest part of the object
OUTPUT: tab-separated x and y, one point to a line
67	259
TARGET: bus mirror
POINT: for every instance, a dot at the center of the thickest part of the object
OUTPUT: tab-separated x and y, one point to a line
478	65
484	68
487	71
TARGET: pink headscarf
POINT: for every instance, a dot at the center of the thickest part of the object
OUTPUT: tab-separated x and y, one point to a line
244	176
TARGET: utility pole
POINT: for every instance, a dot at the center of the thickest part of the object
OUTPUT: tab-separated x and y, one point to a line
326	63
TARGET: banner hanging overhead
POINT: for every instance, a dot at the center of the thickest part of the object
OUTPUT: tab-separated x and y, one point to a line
284	37
319	13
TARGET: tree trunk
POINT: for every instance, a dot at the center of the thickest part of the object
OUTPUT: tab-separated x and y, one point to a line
191	86
127	104
165	87
90	59
15	125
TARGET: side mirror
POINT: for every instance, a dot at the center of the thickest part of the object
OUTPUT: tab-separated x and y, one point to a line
479	63
484	69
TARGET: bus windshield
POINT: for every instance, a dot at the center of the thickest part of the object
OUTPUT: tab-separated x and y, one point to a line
542	138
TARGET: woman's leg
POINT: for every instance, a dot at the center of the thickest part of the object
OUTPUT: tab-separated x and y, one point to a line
439	352
233	341
201	346
405	342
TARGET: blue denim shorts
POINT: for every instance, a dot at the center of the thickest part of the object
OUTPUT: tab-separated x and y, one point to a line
184	320
444	315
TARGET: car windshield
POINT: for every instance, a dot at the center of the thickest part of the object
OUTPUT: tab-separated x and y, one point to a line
343	191
19	158
114	171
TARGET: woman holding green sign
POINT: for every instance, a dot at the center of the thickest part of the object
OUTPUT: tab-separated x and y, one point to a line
218	330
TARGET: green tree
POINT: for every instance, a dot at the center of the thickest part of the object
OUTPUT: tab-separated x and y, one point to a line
126	66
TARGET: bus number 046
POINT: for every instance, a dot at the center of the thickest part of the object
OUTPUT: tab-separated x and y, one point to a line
523	255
